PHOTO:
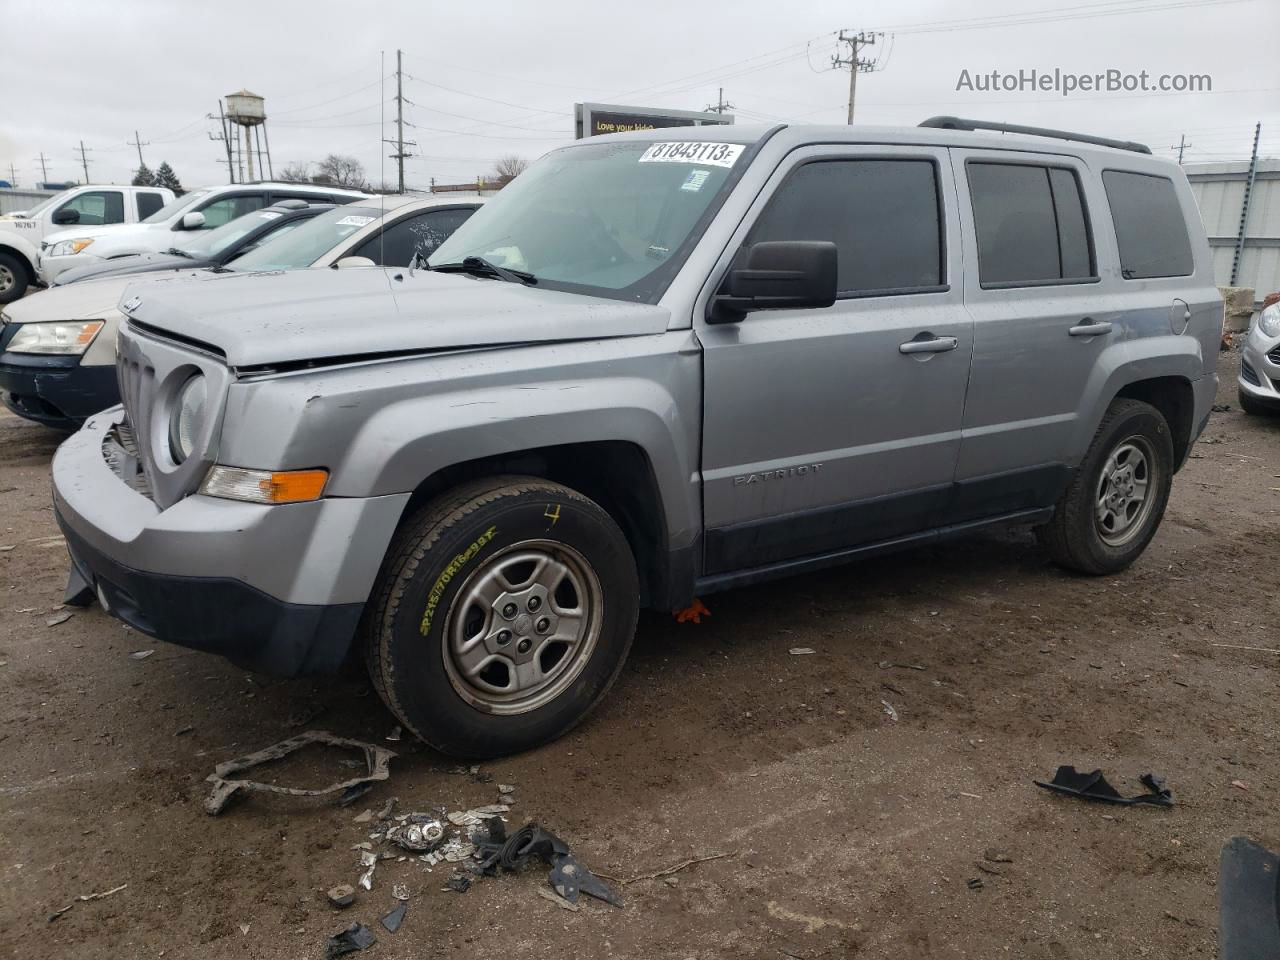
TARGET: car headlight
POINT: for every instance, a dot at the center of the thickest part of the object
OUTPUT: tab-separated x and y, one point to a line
187	417
68	338
65	248
1269	320
264	486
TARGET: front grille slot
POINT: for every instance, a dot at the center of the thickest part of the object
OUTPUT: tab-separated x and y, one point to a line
1274	355
1249	374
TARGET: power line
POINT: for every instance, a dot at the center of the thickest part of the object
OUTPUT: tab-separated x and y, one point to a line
1053	15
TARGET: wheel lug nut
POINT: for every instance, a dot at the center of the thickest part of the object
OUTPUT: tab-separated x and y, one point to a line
509	610
504	637
535	604
543	625
524	645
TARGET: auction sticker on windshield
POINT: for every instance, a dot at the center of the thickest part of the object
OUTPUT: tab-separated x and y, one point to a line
715	154
354	221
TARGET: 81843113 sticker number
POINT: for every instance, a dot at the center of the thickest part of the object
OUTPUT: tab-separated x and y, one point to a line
714	154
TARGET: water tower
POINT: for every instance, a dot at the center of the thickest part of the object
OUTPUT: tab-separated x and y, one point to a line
248	110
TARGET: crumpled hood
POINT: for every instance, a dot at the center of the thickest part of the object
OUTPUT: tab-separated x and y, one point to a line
90	300
321	313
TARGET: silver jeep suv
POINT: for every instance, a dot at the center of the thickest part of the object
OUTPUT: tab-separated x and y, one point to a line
657	365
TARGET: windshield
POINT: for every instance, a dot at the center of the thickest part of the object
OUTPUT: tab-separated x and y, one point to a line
211	244
175	207
311	241
610	219
45	204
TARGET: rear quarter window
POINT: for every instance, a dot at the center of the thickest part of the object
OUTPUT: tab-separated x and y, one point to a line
1151	231
149	203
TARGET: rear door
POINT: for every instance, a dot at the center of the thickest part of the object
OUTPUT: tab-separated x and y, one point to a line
147	202
824	429
1042	317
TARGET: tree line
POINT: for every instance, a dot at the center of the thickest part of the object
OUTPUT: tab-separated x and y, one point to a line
163	176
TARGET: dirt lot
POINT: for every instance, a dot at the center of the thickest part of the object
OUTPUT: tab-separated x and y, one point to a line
852	833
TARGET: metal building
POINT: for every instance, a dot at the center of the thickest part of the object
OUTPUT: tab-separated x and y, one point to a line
1246	241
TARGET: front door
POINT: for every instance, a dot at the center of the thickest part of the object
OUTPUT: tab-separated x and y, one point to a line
825	429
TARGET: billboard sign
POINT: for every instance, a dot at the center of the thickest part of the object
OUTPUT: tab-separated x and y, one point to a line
596	119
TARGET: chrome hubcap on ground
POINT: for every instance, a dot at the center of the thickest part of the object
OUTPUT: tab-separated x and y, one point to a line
522	627
1125	491
6	279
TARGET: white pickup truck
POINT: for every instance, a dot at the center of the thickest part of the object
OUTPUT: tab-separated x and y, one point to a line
21	233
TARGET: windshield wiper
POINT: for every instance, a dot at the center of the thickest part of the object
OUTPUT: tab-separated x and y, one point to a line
175	252
484	268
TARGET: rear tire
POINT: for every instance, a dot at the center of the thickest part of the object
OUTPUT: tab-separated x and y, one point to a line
502	615
1254	408
1114	503
14	278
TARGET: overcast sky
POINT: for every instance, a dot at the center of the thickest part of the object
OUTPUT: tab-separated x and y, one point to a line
491	78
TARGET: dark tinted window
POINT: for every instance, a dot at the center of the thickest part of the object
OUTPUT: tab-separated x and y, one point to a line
1030	222
1150	229
419	234
882	216
225	209
149	203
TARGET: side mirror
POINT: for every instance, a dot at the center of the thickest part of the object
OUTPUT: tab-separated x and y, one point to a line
66	215
778	275
346	262
192	221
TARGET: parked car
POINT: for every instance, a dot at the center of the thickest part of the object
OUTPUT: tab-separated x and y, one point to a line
202	209
205	249
90	206
655	366
1259	381
57	348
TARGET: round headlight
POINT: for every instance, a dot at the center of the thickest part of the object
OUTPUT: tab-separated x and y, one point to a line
1269	321
188	417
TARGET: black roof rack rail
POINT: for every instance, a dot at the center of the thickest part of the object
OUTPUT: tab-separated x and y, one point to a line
959	123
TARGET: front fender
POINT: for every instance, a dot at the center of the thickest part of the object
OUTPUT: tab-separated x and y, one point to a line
1129	362
16	244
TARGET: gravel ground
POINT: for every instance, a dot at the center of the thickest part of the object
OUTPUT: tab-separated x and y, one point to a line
849	832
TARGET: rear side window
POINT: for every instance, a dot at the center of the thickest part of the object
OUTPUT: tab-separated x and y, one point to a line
149	203
1031	224
1150	229
882	215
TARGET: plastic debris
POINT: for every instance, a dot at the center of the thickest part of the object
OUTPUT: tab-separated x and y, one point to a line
1094	786
60	618
477	815
343	895
393	919
801	651
355	937
692	613
140	654
458	882
889	711
456	850
387	808
225	785
400	891
506	788
395	734
417	835
568	877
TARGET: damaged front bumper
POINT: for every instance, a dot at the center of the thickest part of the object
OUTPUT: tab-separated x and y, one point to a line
56	391
275	588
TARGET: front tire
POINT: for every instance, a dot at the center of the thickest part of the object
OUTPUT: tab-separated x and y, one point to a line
14	278
502	615
1116	500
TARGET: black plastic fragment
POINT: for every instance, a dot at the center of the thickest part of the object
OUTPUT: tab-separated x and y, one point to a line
568	877
79	592
355	937
393	919
459	882
1249	902
1094	786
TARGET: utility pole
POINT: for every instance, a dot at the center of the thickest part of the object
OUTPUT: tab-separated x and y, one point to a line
137	142
1244	206
44	170
856	64
1181	145
13	175
721	105
226	142
399	142
84	160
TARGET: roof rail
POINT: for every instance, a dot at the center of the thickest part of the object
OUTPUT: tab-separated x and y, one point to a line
959	123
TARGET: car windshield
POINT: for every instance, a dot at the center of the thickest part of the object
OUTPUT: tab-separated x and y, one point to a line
174	207
45	204
211	244
311	241
610	219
